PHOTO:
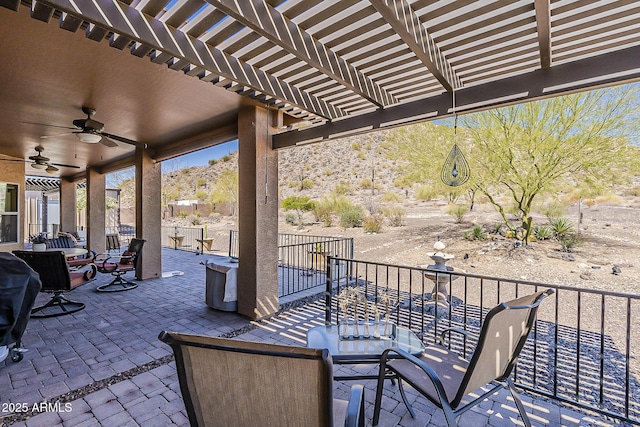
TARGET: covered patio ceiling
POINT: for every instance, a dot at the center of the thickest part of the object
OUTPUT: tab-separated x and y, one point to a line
338	67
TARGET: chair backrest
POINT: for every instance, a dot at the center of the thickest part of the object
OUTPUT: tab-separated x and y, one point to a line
113	242
60	242
51	266
135	248
227	382
503	335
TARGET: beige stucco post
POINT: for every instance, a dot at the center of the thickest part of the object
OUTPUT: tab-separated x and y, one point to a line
258	215
96	209
67	205
148	210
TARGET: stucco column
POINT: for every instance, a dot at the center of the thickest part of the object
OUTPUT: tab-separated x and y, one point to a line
258	215
96	209
68	209
148	198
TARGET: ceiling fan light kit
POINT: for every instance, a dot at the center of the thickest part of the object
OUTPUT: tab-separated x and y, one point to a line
91	132
89	138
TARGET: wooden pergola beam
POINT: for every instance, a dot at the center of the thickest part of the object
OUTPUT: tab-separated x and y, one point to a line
280	30
543	23
401	17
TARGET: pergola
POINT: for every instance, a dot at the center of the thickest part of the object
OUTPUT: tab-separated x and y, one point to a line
274	74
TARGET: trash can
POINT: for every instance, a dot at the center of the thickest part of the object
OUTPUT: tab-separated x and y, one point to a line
221	285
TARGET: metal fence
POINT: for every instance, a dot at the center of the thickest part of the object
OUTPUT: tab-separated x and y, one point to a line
125	233
302	259
36	228
182	238
583	349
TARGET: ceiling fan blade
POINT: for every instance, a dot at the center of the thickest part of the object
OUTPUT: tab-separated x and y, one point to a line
125	140
56	135
14	160
51	126
65	166
107	141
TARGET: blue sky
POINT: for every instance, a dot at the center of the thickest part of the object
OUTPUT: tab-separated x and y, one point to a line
202	157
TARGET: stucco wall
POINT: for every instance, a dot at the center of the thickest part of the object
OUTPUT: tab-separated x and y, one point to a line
13	172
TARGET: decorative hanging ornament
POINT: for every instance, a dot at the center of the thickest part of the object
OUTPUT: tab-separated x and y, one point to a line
455	170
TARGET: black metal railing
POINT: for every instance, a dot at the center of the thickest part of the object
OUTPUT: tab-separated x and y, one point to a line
302	259
37	228
583	349
182	238
125	233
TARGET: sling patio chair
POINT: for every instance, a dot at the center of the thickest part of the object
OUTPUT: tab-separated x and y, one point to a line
446	379
56	278
228	382
118	265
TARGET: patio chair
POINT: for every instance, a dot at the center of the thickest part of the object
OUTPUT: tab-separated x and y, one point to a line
118	265
56	278
113	243
227	382
64	241
446	379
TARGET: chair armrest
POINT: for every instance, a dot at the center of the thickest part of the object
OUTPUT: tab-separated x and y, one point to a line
355	409
435	380
448	331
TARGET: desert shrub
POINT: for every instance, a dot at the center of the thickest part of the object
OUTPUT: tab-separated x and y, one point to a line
457	211
351	217
323	210
426	192
290	218
226	158
476	233
201	182
361	155
395	214
390	196
372	223
561	226
542	232
328	172
194	220
402	182
342	188
201	194
356	146
497	228
212	162
306	184
570	241
183	214
365	184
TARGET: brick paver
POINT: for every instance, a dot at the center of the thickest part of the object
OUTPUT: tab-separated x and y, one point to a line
89	352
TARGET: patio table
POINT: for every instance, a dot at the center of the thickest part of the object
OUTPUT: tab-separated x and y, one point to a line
69	252
361	351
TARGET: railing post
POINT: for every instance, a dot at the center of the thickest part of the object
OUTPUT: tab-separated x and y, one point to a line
328	293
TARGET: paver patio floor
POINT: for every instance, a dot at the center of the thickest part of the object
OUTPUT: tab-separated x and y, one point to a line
104	366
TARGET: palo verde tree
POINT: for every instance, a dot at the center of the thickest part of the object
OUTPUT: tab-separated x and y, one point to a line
225	190
530	149
423	149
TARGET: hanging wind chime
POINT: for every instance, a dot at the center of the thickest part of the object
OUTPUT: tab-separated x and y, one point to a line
455	170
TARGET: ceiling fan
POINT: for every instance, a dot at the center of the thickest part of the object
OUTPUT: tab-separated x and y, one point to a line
91	131
42	163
